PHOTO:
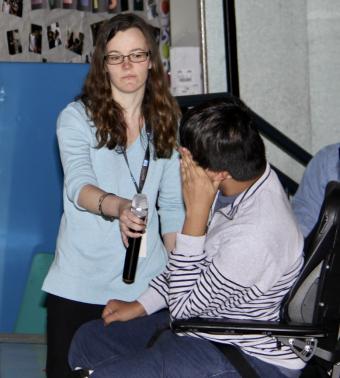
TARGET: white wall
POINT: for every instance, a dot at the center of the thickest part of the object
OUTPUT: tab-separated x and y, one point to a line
289	69
272	47
288	61
324	71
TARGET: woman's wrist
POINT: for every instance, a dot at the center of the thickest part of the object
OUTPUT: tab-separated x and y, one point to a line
122	204
105	214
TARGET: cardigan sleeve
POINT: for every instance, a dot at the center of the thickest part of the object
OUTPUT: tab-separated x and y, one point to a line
170	200
74	140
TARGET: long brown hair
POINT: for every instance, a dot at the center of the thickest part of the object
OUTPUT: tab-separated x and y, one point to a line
159	109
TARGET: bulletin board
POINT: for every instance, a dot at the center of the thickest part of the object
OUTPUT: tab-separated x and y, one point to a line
65	30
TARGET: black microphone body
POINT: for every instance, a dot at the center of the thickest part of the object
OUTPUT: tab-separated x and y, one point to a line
131	259
139	208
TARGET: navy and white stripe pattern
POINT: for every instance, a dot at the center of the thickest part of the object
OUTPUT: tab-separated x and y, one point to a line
216	296
200	289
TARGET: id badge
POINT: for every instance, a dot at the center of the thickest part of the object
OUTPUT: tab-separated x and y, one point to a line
142	250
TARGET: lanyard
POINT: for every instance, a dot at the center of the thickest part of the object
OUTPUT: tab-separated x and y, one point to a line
145	165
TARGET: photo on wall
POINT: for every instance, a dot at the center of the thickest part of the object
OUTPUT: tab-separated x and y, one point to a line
13	7
38	4
165	49
156	33
68	4
14	43
94	31
164	45
54	4
34	39
164	7
84	5
75	42
138	5
53	35
124	5
6	7
113	6
151	9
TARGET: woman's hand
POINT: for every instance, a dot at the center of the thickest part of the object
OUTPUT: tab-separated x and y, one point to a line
130	225
116	310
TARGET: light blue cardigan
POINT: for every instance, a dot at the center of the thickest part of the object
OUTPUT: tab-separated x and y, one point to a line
89	253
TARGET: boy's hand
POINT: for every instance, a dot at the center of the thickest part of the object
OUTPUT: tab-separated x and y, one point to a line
199	191
116	310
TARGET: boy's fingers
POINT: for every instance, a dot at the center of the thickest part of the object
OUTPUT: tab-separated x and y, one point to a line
107	311
110	318
183	171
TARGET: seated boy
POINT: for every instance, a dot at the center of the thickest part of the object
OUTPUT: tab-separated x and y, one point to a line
239	252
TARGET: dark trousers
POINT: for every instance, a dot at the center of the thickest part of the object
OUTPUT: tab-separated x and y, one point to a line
123	350
64	317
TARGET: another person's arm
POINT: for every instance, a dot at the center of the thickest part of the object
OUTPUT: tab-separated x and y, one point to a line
307	201
170	202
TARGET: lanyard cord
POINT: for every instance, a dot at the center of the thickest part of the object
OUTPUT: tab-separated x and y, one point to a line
145	165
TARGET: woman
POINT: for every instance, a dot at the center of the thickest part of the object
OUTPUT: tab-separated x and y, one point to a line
124	117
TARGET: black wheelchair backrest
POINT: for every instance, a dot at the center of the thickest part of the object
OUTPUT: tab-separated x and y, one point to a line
315	296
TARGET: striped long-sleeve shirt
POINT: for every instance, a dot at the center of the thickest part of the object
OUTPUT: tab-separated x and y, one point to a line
241	269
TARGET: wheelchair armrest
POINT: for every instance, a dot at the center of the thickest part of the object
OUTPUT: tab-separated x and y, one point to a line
232	327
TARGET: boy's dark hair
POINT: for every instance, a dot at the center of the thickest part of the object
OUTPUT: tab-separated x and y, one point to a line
221	135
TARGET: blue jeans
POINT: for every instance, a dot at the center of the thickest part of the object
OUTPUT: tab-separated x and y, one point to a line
121	350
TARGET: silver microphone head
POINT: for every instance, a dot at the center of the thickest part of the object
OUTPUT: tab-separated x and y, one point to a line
140	205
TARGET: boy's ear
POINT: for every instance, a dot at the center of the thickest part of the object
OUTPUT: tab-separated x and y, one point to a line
218	176
221	176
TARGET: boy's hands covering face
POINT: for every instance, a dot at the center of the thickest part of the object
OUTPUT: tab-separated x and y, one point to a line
199	190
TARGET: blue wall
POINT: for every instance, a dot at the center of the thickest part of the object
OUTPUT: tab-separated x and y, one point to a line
31	96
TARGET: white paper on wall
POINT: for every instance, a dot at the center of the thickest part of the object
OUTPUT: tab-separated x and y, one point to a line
186	77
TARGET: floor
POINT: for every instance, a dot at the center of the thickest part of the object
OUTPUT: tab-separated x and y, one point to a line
22	356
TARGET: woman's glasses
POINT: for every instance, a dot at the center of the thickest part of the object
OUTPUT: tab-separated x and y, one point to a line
135	57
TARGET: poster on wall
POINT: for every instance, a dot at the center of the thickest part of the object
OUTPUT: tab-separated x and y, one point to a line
66	30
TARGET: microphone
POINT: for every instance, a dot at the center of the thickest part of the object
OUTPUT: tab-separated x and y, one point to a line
140	208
